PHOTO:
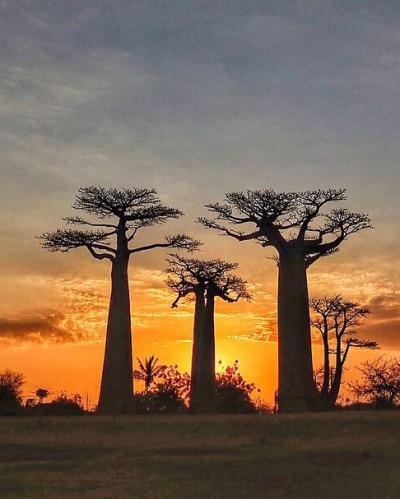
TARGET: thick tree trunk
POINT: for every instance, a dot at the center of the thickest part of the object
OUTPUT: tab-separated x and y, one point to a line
203	358
116	392
297	391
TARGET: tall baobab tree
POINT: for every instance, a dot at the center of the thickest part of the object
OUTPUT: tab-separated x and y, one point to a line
148	370
336	320
310	235
205	280
118	214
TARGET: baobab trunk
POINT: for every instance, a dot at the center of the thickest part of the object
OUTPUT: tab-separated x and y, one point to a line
203	358
116	392
296	391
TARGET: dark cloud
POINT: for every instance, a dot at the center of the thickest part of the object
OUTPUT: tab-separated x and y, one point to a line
42	327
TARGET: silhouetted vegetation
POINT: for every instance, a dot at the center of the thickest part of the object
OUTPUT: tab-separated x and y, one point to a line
233	392
380	383
300	229
11	383
62	405
120	214
311	234
41	394
206	280
170	394
148	370
166	395
336	320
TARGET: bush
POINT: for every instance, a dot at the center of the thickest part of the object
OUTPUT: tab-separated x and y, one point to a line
161	400
63	405
169	396
233	393
11	392
380	383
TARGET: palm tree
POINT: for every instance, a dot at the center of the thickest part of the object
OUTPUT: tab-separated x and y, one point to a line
148	370
41	394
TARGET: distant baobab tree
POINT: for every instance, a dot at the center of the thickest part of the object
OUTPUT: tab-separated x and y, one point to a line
148	370
336	320
205	280
311	235
119	214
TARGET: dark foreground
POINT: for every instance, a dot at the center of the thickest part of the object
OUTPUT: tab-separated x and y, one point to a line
353	454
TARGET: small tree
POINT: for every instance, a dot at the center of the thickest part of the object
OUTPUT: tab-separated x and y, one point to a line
380	383
148	371
11	383
336	320
41	394
169	395
205	280
293	223
233	392
119	214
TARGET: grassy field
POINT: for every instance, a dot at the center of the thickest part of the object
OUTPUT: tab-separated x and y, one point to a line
353	454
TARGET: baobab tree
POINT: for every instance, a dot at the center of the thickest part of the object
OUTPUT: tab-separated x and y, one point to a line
205	280
336	320
148	370
295	225
119	214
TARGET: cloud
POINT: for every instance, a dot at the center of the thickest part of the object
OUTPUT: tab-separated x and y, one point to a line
256	336
47	327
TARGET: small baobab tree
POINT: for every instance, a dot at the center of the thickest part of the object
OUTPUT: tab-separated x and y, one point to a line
148	370
295	224
336	320
205	280
119	214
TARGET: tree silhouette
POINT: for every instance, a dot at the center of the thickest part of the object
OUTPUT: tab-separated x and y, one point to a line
11	383
336	319
205	280
41	394
380	382
148	370
120	214
310	235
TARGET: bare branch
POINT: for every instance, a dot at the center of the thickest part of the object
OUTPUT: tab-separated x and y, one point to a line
180	241
65	240
82	221
99	256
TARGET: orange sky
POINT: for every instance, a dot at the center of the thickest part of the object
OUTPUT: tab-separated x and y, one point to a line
55	328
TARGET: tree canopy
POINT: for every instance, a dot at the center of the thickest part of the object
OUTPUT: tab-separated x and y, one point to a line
191	275
287	220
131	209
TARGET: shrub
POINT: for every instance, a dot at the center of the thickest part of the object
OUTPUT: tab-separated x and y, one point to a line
62	405
11	383
233	392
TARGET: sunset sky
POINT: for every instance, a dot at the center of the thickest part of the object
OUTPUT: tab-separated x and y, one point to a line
195	98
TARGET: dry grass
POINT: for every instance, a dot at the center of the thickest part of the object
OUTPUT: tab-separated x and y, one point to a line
354	454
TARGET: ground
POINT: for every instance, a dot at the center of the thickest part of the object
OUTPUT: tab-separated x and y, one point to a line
347	454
